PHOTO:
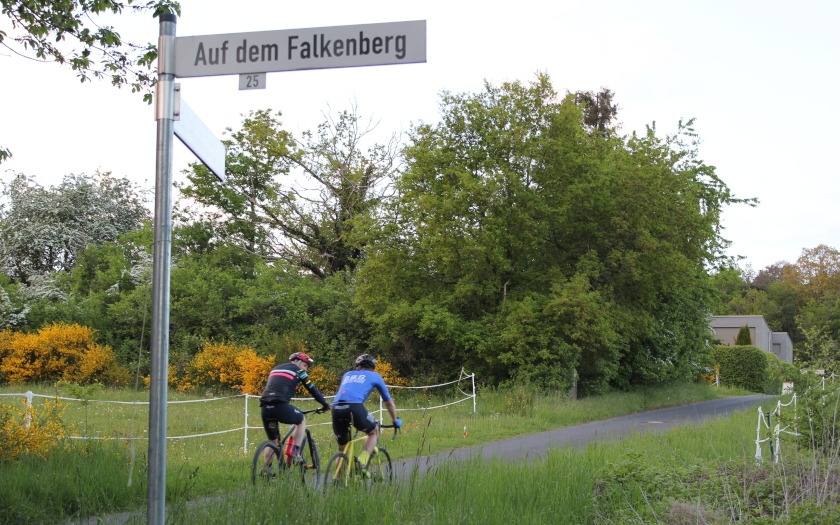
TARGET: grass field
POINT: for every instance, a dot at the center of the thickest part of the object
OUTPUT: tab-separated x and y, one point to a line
109	475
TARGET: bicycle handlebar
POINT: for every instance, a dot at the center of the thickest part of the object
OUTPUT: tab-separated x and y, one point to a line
395	427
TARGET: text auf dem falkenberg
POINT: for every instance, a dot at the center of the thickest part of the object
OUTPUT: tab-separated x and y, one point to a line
319	47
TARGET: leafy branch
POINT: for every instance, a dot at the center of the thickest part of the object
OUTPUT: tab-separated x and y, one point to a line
64	31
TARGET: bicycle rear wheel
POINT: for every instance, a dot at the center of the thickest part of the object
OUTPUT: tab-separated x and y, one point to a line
260	472
339	471
381	469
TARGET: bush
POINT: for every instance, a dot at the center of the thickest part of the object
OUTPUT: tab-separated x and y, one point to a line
58	352
230	366
44	432
820	426
750	368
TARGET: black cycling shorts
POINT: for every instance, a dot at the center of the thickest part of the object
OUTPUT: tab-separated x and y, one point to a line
345	414
277	412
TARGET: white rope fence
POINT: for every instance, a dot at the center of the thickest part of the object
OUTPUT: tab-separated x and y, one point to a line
776	431
30	396
832	377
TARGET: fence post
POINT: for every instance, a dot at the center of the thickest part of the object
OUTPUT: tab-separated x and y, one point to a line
772	445
473	386
758	437
28	417
245	440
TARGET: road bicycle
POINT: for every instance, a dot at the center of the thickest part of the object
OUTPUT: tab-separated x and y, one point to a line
308	471
342	472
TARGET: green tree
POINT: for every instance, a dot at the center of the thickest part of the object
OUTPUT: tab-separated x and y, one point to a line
305	202
743	338
599	110
727	284
521	240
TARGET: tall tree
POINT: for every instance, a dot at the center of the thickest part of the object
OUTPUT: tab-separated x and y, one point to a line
44	229
817	271
599	109
304	201
530	247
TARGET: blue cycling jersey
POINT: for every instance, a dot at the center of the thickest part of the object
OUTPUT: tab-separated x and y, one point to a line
356	386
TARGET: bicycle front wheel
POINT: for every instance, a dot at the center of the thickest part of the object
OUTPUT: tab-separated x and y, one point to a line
260	471
339	471
381	469
310	471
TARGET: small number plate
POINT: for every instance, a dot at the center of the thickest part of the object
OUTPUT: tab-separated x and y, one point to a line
252	81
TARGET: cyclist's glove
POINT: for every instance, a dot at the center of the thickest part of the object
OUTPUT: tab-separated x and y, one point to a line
325	408
398	423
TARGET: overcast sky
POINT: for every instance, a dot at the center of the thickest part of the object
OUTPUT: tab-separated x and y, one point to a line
760	77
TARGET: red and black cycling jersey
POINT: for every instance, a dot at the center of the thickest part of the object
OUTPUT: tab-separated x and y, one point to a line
283	381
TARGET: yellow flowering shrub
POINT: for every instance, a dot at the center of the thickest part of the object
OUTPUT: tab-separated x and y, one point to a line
173	379
326	380
45	432
228	365
708	376
254	370
59	352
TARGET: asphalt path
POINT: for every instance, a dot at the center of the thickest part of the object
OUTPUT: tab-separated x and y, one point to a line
533	446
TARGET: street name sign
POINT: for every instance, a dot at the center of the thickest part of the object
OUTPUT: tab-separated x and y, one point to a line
198	138
299	49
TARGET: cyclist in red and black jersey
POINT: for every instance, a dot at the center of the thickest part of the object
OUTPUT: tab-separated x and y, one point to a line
275	401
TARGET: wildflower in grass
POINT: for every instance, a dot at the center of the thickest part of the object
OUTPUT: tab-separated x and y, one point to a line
25	431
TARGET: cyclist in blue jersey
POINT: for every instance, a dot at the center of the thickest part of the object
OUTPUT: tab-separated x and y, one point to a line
348	405
275	401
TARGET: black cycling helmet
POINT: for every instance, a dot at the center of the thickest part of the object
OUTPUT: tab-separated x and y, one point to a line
366	361
302	357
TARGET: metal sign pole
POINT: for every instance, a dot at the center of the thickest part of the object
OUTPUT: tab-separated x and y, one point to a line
164	114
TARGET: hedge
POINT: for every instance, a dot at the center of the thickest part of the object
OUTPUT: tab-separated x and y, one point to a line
751	368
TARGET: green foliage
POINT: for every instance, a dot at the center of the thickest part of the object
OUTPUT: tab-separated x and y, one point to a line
744	338
751	368
819	426
43	28
520	232
307	202
727	282
819	323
